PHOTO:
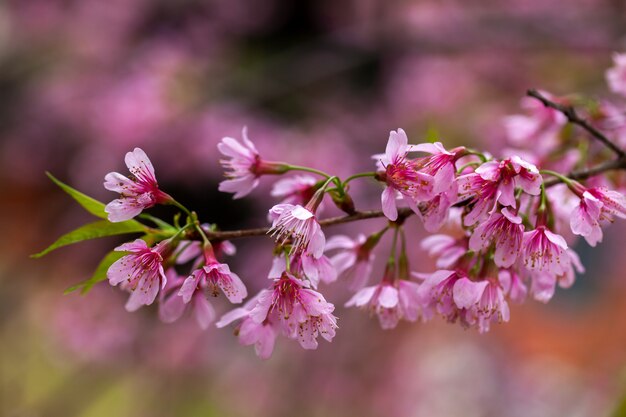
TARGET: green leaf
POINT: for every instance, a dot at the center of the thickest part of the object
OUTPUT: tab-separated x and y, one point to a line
94	230
90	204
100	274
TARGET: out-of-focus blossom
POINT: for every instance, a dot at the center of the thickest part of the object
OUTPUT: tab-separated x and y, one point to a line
539	130
390	301
513	285
306	265
353	261
245	165
298	189
261	335
401	176
138	193
298	223
446	249
616	75
140	272
503	228
436	293
172	306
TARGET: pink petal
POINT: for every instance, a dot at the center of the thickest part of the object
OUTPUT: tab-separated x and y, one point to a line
172	308
389	203
388	297
203	311
466	293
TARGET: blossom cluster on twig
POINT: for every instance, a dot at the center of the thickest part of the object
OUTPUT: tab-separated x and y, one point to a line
501	228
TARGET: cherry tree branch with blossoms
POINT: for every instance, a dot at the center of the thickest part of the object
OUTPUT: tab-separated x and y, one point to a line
508	234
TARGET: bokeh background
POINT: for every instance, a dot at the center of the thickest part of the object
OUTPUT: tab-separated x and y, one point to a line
319	83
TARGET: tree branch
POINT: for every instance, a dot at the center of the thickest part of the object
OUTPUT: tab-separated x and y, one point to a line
574	118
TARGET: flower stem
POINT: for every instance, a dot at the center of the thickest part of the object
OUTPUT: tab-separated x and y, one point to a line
307	169
360	175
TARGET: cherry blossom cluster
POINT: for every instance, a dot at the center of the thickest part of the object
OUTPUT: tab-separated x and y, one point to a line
501	228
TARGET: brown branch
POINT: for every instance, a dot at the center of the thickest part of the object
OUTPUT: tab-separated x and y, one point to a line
403	213
570	113
616	164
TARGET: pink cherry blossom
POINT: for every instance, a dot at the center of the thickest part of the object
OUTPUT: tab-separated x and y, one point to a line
261	335
353	261
505	229
616	75
435	212
484	301
481	192
436	293
440	165
137	193
446	249
140	272
299	224
245	165
301	312
539	129
306	265
513	285
401	176
544	251
390	301
585	219
298	189
510	173
211	278
172	306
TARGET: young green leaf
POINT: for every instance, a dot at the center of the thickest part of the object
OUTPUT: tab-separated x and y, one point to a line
94	230
100	274
90	204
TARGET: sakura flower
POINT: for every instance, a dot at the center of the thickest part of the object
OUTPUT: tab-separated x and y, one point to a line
440	165
314	269
212	278
297	223
245	165
539	129
172	306
261	335
446	249
137	193
585	219
513	285
616	75
355	258
435	211
389	301
436	293
510	173
481	192
140	272
302	313
483	300
401	176
505	229
294	190
544	251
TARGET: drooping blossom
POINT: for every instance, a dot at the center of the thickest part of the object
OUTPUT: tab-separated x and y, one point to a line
250	332
616	75
302	313
390	301
510	173
245	165
435	212
211	278
354	259
513	285
189	250
137	193
483	301
597	204
172	306
300	225
544	251
503	228
140	272
401	176
436	293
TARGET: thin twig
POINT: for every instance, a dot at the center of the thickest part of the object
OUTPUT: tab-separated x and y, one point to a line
616	164
573	117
